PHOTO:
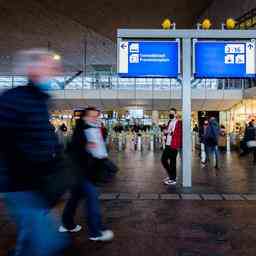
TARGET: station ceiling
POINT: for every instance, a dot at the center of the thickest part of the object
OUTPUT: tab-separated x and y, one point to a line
105	16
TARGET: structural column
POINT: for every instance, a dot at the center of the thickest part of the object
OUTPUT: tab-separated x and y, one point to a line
186	113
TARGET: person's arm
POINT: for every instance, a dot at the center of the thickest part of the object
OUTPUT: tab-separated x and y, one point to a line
8	118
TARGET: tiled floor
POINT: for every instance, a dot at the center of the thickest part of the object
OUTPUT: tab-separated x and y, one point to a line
164	227
214	218
141	172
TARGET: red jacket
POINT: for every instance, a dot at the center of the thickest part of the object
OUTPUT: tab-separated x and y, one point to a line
177	136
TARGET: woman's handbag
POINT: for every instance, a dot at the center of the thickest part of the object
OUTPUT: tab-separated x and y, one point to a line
109	169
105	170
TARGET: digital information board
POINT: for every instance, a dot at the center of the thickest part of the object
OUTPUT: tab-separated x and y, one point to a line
148	58
224	59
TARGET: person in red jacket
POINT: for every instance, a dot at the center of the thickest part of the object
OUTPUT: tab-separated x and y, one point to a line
173	143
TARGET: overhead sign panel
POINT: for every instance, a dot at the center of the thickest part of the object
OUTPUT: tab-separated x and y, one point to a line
148	58
224	59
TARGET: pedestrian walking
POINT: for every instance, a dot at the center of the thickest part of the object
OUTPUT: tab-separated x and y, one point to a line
90	153
31	154
211	139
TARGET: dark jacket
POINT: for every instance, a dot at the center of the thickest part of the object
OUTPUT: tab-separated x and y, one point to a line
212	134
29	145
250	133
87	165
82	159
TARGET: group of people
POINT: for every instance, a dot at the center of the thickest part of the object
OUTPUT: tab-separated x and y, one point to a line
31	157
209	137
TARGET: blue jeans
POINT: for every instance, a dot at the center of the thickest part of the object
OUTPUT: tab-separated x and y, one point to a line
37	230
210	152
88	191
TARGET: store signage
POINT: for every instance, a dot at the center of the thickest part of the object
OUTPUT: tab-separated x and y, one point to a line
224	59
148	58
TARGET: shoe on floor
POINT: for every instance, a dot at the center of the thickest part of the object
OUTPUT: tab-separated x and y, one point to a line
165	179
170	182
106	236
74	230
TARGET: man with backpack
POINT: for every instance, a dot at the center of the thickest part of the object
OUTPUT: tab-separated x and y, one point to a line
211	138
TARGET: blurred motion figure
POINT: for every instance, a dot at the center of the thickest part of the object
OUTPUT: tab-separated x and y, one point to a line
30	152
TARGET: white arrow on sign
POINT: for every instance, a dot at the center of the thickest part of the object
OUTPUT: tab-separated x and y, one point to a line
250	58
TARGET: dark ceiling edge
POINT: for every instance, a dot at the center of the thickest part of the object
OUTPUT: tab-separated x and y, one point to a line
83	27
203	11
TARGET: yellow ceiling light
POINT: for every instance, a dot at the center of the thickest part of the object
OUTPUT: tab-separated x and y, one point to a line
206	24
56	57
167	24
230	23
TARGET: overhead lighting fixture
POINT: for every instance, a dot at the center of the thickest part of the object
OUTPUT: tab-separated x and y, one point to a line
230	23
206	24
167	24
56	57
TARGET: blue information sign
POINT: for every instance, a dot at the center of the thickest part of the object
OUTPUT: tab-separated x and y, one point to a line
225	59
148	58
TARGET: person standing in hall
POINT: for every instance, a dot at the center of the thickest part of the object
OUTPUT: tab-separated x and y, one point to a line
250	139
202	132
211	142
173	143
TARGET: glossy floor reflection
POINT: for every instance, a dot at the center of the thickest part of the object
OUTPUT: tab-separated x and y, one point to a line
149	218
157	228
141	172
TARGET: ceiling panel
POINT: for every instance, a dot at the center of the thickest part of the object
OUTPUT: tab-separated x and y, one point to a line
105	16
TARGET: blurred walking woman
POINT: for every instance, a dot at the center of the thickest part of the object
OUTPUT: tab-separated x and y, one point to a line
88	150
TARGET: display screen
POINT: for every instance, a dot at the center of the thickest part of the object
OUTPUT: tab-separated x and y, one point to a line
224	59
148	58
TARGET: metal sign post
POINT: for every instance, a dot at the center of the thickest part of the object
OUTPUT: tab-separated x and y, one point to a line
186	36
186	112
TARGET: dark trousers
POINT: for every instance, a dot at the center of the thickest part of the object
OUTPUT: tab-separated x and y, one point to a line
88	191
169	159
212	151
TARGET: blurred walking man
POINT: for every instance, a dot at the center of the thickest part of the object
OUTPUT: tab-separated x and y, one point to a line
30	153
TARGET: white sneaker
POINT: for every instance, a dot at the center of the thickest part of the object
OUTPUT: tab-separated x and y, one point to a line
74	230
170	182
106	236
165	179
